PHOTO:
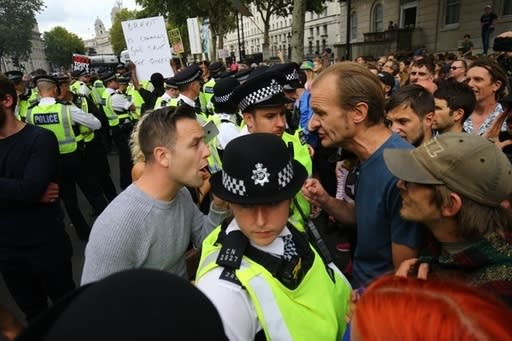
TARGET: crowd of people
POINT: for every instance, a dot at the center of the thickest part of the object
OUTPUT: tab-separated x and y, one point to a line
410	158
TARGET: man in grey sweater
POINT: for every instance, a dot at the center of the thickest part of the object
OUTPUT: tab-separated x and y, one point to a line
151	223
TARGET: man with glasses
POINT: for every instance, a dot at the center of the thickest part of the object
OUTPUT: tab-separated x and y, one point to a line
456	184
153	221
458	71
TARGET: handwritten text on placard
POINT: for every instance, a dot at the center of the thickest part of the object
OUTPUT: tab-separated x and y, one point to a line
148	46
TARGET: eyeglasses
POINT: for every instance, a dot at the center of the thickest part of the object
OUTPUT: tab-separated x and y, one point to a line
456	67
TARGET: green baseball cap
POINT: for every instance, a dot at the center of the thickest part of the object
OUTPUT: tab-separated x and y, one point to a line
467	164
307	65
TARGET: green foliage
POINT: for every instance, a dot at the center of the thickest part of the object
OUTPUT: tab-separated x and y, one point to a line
17	19
116	32
60	46
220	12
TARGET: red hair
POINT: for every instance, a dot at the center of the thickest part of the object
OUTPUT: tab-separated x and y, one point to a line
398	308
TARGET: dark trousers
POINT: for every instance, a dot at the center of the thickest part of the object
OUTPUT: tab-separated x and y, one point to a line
121	137
486	35
34	274
98	167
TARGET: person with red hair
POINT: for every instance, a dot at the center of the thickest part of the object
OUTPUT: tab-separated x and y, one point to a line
406	308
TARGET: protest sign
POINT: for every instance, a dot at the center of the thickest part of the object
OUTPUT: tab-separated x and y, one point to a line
148	46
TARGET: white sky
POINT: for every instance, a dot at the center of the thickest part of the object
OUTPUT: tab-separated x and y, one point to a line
78	16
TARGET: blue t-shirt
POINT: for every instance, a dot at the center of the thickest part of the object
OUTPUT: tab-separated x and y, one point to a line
378	218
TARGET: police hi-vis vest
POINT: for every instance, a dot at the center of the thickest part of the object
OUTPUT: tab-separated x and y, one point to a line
57	118
206	95
86	133
161	103
112	116
314	310
301	154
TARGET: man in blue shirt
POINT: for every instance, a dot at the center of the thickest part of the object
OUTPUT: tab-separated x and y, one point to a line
348	112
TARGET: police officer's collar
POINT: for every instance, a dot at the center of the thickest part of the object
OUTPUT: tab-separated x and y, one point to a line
187	100
276	247
47	100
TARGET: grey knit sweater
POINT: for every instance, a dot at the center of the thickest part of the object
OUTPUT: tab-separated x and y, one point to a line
137	231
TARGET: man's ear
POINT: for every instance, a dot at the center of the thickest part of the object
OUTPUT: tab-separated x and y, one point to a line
249	120
162	156
458	114
360	112
428	119
453	207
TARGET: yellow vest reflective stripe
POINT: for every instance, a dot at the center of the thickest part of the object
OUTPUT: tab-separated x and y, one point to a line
315	310
57	118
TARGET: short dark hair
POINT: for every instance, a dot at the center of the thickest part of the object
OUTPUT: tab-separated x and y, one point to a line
457	95
395	67
419	99
159	128
7	88
427	62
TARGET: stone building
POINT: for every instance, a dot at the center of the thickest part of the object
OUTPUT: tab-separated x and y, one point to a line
439	25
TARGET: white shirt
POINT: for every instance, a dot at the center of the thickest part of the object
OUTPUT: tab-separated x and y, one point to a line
227	130
187	100
77	115
231	300
119	101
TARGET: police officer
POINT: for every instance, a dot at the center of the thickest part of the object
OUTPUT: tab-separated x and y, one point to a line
170	97
215	70
262	273
263	105
188	81
120	114
226	112
96	162
23	93
291	73
64	120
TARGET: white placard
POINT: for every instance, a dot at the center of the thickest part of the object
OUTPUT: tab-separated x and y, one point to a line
148	46
193	36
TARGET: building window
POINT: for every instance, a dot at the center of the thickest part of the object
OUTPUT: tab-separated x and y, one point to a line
324	30
318	30
451	12
353	25
377	18
311	32
507	7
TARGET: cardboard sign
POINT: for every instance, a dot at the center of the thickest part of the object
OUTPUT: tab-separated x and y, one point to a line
148	46
177	43
81	62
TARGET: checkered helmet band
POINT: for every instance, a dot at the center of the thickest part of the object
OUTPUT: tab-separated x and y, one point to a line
223	99
285	175
292	76
233	185
261	95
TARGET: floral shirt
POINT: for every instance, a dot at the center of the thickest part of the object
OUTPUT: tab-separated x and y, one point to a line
468	124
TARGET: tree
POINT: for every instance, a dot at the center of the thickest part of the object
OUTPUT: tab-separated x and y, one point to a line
60	46
283	8
219	12
116	32
17	21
